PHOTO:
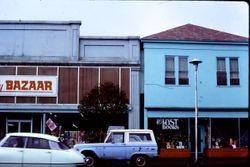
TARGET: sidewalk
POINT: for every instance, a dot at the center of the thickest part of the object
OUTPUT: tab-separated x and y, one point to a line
183	162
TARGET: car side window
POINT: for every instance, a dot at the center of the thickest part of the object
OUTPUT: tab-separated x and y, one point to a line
58	145
116	138
38	143
14	141
137	137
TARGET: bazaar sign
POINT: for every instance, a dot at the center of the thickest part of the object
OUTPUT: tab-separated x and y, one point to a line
168	123
27	85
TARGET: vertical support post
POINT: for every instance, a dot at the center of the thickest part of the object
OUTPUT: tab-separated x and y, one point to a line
196	116
44	123
210	133
196	62
239	131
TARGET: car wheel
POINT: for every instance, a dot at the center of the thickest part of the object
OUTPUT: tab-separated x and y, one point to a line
90	160
140	161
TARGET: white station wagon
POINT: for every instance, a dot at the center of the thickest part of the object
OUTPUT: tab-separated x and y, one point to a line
136	146
37	150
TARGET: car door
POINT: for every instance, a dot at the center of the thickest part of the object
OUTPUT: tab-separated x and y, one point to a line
115	147
37	153
11	152
10	157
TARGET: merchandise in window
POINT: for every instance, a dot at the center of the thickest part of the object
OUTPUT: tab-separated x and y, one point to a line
171	133
222	137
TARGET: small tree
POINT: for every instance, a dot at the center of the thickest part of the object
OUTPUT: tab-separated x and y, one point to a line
104	104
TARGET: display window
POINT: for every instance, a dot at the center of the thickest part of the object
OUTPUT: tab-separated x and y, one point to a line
229	133
171	133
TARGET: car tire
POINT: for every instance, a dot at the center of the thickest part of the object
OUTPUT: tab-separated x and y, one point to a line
140	161
91	159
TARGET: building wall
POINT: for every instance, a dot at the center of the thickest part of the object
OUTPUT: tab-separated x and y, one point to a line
158	94
55	49
74	82
117	51
169	108
40	41
110	50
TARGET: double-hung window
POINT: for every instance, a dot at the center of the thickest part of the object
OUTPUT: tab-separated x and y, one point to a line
176	70
183	70
227	68
170	70
221	71
234	71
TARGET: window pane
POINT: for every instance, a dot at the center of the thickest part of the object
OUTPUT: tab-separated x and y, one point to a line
183	71
221	136
38	143
170	73
118	137
244	133
221	64
14	141
138	137
234	71
221	71
221	78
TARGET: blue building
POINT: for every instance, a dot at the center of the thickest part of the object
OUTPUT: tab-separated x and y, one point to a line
222	87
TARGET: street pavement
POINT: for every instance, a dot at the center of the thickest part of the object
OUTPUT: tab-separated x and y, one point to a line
180	162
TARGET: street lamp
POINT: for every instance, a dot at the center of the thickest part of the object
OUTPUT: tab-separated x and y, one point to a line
196	62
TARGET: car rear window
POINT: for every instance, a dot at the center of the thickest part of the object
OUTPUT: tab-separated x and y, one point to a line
138	137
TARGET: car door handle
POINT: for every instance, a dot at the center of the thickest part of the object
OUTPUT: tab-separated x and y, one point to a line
20	151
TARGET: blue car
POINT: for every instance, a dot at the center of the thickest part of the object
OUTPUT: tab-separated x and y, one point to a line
133	145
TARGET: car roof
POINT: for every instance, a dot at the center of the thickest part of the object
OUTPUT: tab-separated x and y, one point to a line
131	130
37	135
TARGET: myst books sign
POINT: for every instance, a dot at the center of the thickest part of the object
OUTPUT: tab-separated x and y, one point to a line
168	123
28	85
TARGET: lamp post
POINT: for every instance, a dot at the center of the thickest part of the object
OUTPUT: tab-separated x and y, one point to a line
196	62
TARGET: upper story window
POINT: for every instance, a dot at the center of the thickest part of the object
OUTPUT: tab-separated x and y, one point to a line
183	71
234	71
170	70
223	73
176	70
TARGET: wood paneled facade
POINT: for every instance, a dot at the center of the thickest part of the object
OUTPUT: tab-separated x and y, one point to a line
73	82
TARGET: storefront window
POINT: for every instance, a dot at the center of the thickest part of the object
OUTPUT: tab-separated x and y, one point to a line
244	140
171	133
229	133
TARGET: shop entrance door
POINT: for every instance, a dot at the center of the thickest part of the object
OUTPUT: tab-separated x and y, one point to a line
200	138
19	126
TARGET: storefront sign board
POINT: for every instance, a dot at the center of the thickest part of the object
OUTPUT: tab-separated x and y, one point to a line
168	123
27	85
